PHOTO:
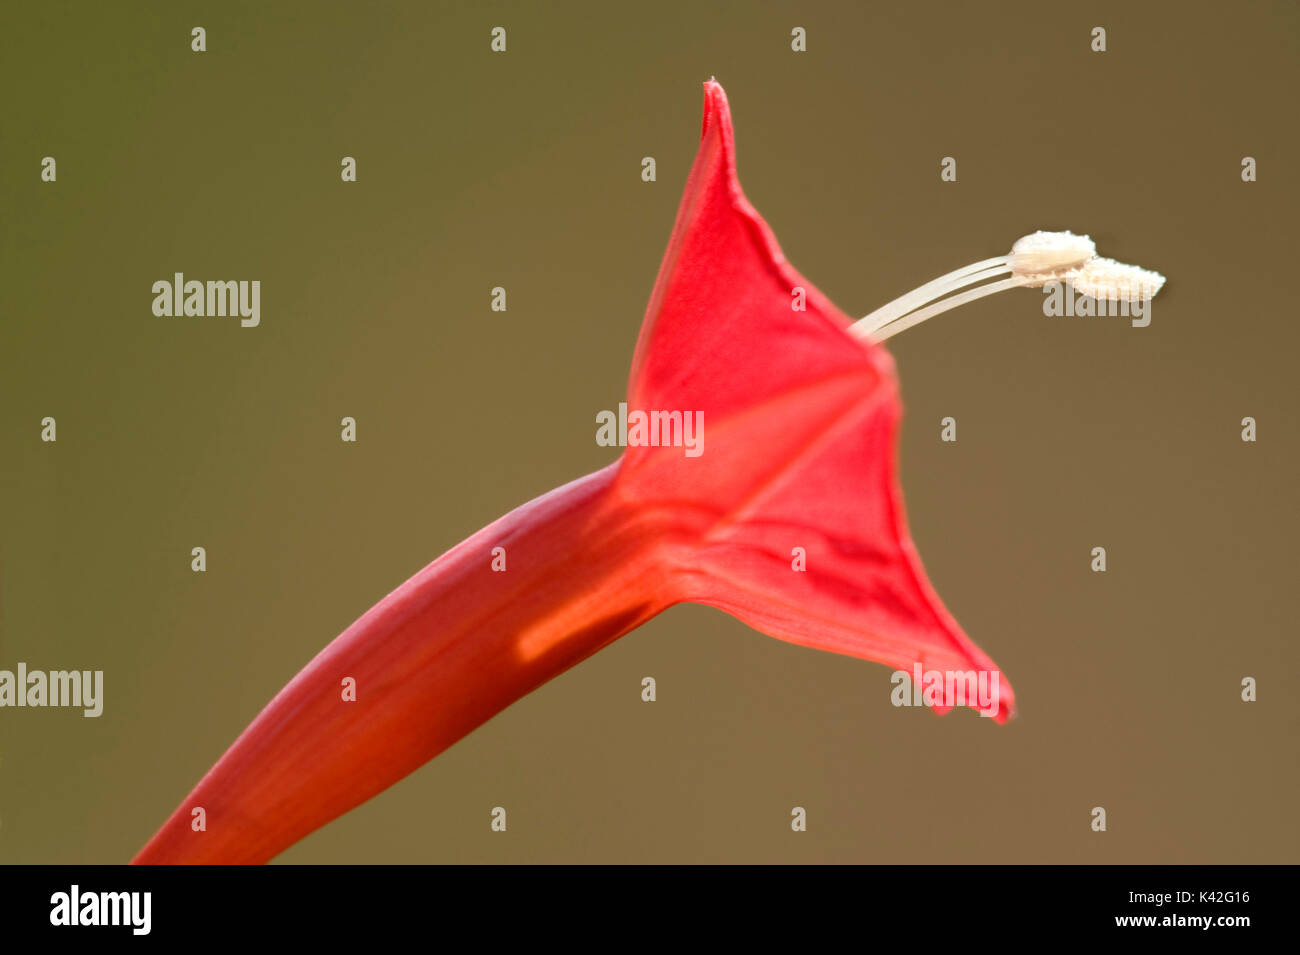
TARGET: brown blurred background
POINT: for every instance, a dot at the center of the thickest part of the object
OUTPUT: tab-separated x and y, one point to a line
523	170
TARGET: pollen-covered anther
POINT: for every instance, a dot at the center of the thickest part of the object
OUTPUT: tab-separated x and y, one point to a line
1108	279
1042	257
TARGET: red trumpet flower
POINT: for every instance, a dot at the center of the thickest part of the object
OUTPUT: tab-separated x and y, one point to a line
788	516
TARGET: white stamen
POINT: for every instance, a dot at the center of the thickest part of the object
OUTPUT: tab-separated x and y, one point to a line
1033	261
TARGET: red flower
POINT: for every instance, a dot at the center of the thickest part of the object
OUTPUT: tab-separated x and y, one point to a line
790	518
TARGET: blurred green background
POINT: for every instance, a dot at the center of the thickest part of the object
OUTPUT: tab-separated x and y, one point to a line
523	170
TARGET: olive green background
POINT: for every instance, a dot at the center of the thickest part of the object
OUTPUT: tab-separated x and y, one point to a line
523	170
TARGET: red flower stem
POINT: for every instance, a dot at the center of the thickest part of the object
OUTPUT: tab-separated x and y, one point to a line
439	656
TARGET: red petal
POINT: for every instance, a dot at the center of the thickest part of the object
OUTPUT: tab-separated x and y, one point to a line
800	424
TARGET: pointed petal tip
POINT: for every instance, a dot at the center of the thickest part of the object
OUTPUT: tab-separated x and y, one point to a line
715	106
